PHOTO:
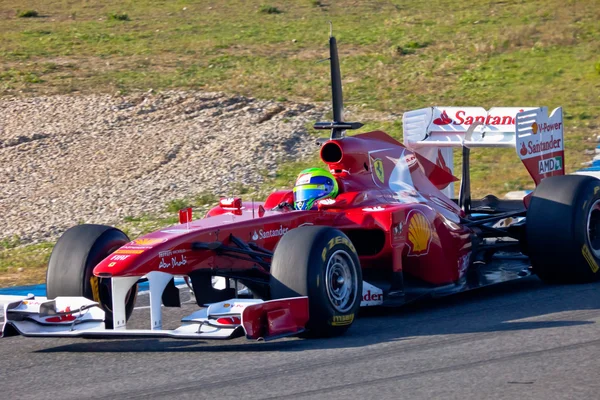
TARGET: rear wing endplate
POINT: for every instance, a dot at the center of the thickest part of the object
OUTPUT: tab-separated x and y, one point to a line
537	136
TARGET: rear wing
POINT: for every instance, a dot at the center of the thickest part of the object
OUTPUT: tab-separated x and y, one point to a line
434	131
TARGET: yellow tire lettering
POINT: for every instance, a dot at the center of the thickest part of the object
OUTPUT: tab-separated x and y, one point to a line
342	320
95	290
324	254
587	254
341	240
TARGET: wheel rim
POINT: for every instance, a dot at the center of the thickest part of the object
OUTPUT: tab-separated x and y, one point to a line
593	228
341	281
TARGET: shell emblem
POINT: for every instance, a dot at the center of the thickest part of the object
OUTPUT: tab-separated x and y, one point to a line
534	128
378	167
419	233
148	241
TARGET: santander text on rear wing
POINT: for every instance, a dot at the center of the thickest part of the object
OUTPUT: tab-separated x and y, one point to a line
537	136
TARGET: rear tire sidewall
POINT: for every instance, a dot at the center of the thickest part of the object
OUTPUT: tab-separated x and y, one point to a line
557	231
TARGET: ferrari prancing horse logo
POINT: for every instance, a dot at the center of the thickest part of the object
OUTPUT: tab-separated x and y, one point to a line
378	167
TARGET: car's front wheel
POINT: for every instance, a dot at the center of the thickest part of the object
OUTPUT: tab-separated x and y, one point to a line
321	263
72	262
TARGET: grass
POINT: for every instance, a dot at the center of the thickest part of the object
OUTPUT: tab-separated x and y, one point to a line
118	17
27	14
265	9
395	56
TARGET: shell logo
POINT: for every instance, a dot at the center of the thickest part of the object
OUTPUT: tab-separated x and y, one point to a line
534	128
148	241
419	233
378	167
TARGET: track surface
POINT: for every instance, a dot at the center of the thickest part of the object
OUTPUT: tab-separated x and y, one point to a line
517	340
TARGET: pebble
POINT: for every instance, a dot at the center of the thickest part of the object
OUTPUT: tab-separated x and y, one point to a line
100	158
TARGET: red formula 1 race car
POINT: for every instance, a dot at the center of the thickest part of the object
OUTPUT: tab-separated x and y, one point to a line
393	233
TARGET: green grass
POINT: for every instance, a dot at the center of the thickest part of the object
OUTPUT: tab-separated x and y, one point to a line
265	9
118	17
28	14
395	56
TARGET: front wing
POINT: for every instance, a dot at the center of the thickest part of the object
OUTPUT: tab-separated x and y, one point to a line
80	317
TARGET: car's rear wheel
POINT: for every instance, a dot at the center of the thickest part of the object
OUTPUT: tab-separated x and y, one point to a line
563	229
72	262
321	263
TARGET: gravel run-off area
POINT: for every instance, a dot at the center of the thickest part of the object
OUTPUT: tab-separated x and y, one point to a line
100	158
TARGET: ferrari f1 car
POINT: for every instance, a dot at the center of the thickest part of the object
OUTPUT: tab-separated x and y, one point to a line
393	234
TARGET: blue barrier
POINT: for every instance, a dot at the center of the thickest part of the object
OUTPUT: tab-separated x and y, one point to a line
40	290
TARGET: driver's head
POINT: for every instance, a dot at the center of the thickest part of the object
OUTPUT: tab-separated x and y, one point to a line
313	184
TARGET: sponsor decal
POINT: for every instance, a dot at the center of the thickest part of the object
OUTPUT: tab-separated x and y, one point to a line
378	167
589	257
169	253
127	251
550	165
419	233
443	119
31	303
372	296
333	242
112	264
461	118
62	318
148	241
541	146
342	320
374	209
411	159
303	179
546	127
119	258
226	305
271	233
172	262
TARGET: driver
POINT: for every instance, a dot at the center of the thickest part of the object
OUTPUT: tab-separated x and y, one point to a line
314	184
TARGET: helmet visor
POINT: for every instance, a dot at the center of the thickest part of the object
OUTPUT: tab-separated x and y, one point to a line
310	192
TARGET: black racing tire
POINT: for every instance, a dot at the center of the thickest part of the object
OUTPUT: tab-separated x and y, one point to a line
563	229
72	262
309	261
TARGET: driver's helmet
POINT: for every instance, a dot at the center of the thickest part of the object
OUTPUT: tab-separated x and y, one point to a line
313	184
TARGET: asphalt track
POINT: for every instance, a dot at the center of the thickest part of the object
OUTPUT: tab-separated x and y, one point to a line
519	340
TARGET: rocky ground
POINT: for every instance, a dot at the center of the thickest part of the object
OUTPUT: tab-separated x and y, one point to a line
100	158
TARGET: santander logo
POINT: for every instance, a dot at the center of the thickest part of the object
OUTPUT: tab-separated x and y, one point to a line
443	119
461	118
